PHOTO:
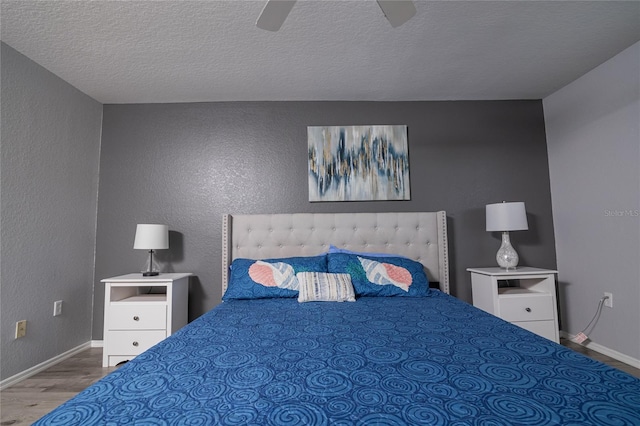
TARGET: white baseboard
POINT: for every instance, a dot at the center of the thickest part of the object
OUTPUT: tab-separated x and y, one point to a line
604	350
97	343
9	381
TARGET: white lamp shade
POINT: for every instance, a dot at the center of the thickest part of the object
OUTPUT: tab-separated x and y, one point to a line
506	217
151	237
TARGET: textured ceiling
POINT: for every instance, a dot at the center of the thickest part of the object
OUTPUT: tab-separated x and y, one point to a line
208	50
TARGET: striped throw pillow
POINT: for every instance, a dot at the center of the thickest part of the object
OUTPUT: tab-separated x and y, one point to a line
325	287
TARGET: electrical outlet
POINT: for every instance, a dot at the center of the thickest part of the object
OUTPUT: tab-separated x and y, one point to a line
21	329
609	301
57	308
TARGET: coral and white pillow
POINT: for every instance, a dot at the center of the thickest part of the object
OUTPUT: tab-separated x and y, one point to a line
381	276
325	287
269	278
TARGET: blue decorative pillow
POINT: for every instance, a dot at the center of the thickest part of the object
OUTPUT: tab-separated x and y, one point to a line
334	249
269	278
381	276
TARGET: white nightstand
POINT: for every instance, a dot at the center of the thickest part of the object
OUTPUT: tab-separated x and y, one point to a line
140	312
524	296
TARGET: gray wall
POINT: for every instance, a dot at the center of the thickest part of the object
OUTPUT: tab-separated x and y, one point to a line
50	153
187	164
594	156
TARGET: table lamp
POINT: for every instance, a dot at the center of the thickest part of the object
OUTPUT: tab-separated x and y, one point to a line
151	237
504	217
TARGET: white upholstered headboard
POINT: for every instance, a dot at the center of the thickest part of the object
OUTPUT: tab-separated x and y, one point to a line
421	236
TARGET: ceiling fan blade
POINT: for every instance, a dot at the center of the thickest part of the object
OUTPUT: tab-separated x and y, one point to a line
397	11
274	14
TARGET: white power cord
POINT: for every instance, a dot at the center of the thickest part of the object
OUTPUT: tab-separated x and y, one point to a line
582	336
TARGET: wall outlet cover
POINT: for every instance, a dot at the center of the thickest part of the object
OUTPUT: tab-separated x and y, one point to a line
21	329
57	308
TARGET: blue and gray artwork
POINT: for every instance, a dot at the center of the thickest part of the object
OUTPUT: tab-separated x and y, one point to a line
358	163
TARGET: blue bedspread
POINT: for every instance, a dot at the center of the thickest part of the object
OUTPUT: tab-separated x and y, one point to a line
378	361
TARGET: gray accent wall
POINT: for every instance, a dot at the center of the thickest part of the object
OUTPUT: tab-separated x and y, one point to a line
50	148
186	164
593	131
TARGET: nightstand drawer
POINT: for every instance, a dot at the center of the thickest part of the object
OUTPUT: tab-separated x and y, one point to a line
545	328
526	308
137	317
133	342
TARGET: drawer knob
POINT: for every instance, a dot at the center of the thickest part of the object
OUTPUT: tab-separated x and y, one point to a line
527	309
135	343
136	318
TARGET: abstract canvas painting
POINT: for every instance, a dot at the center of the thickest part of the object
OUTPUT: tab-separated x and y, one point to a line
358	163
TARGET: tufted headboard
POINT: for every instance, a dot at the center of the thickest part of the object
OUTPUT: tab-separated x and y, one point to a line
421	236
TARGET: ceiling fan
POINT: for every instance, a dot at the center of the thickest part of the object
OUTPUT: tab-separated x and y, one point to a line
275	12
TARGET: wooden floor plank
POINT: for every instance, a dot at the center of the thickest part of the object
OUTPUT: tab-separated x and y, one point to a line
602	358
27	401
32	398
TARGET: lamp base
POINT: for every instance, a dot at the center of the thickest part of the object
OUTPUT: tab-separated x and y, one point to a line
151	268
507	257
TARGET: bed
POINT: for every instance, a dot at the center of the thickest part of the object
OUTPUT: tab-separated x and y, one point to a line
381	360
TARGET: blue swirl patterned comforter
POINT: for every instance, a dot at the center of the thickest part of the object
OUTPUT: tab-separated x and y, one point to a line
378	361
